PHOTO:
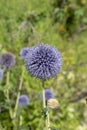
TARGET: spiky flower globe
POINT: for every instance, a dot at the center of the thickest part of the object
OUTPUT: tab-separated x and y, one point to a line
7	60
24	52
43	62
1	73
23	100
48	94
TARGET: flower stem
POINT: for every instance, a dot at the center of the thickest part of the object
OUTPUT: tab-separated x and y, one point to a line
48	121
7	83
7	91
44	104
21	118
18	95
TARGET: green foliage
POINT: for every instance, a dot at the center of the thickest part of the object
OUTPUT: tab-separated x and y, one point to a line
69	16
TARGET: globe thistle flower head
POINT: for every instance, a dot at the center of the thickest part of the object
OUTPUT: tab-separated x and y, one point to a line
43	62
24	52
48	94
52	103
23	100
1	73
7	60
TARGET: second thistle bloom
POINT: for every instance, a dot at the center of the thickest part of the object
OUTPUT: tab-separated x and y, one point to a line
7	60
23	100
48	94
24	51
44	61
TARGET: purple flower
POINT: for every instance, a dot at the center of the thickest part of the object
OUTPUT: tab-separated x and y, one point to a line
23	100
43	61
7	60
24	52
1	73
48	94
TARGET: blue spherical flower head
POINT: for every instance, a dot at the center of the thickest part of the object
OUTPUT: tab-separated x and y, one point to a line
1	73
43	62
23	100
7	60
24	52
48	94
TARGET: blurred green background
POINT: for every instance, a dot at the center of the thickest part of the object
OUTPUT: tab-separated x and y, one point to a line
60	23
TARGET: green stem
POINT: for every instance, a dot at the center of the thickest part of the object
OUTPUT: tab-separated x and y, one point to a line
44	103
7	91
48	121
7	83
18	95
21	119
